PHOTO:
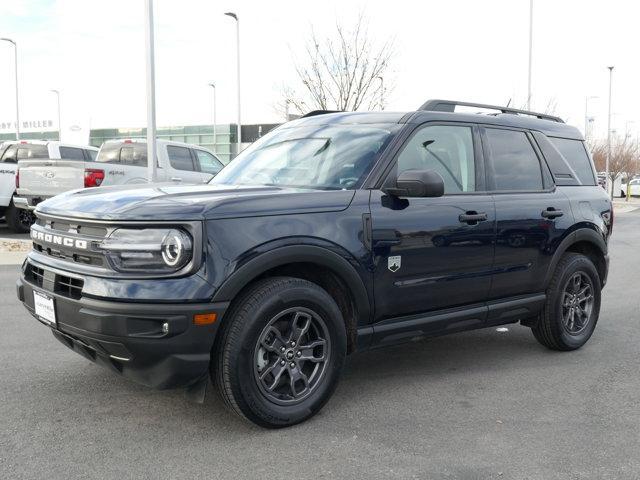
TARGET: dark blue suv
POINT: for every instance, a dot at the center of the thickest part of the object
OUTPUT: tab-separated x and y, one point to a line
334	233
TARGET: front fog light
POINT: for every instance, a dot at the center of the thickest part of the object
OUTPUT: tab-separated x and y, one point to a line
151	250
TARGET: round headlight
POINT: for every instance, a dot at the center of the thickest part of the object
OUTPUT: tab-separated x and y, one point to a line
176	248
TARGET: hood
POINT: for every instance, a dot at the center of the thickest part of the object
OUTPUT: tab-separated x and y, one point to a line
197	202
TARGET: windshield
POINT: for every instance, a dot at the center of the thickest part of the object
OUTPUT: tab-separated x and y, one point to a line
318	157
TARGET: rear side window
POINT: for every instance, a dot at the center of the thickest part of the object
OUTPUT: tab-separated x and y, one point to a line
180	158
71	153
27	152
516	166
91	155
576	156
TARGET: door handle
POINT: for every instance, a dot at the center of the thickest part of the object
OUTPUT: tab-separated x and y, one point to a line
552	213
472	217
176	179
385	243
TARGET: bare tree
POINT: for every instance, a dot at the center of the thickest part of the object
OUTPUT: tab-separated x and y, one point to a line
344	73
623	162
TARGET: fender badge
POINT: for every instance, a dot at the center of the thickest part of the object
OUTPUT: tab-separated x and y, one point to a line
394	263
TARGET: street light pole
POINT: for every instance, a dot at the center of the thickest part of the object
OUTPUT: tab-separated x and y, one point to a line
215	138
530	53
57	92
15	51
606	168
239	130
586	114
151	92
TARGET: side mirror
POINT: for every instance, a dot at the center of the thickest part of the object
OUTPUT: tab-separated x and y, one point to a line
417	183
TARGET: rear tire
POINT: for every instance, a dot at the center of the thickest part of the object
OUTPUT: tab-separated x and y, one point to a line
18	220
281	351
572	306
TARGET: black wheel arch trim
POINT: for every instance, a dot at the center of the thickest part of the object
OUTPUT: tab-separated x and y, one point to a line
284	255
580	235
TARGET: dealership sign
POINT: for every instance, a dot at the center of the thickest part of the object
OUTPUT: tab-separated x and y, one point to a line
27	125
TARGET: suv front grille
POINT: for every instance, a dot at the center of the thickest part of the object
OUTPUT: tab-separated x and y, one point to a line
49	236
70	287
66	226
35	275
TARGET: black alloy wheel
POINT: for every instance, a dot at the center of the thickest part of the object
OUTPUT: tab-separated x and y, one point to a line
577	303
291	355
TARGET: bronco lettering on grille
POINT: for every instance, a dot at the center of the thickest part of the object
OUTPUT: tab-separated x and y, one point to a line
59	240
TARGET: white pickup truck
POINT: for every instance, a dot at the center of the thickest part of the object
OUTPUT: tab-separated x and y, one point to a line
14	152
119	162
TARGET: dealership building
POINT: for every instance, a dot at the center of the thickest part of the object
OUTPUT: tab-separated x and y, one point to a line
223	143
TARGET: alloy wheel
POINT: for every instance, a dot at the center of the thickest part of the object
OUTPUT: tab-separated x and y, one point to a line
291	355
577	303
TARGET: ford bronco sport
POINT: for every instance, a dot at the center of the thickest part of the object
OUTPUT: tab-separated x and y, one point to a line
334	233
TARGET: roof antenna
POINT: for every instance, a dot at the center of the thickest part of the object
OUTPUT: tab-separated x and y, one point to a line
508	103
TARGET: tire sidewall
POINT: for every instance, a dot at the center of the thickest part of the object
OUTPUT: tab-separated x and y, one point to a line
247	393
584	265
12	217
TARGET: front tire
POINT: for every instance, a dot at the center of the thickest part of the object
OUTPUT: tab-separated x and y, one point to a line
281	352
18	220
572	307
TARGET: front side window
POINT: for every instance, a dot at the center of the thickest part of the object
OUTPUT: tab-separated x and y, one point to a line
180	158
208	163
324	157
448	150
71	153
516	166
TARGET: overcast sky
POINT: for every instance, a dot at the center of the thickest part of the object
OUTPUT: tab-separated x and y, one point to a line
476	50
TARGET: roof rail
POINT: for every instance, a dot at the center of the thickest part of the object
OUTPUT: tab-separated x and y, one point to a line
450	106
314	113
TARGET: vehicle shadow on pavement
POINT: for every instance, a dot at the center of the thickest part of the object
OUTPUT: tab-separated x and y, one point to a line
387	374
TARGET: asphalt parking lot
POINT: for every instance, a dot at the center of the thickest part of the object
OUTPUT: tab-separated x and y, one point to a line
478	405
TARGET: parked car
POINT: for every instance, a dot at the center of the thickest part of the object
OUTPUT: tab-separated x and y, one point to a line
634	188
39	151
265	279
119	162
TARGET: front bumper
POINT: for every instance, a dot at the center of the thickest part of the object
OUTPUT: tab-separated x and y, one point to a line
128	338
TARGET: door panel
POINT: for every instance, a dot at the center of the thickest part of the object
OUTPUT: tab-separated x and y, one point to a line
526	240
532	216
443	262
434	253
182	165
